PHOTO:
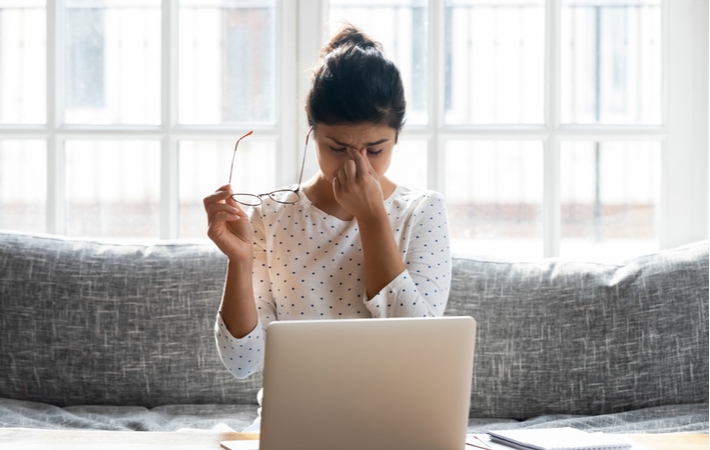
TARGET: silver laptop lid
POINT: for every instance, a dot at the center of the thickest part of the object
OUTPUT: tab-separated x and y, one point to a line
367	384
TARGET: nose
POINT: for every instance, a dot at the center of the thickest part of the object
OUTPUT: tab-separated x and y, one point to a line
360	150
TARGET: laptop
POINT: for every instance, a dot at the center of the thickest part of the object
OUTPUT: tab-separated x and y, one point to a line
354	384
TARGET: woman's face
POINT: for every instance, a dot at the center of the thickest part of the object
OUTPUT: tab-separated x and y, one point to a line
332	142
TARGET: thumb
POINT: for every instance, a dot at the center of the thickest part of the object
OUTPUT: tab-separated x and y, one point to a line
337	188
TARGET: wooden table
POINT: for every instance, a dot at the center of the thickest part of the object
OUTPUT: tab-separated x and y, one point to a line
671	441
37	439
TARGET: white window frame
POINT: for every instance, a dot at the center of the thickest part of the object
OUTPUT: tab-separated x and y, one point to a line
683	133
683	209
169	132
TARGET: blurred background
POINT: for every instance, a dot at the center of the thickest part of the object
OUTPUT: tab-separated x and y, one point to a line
545	124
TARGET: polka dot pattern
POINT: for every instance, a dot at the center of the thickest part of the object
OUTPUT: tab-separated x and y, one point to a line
310	265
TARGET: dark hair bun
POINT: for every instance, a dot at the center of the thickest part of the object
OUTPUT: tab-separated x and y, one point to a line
349	36
354	82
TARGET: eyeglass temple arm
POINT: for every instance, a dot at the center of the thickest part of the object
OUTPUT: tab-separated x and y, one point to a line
234	154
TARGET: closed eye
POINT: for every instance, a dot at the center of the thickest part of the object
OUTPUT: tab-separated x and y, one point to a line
343	149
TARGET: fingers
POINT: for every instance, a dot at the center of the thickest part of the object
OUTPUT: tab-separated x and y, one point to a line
345	175
362	163
220	207
349	171
221	213
220	195
231	202
223	208
223	194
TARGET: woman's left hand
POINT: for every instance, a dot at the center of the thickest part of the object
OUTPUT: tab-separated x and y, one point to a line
357	186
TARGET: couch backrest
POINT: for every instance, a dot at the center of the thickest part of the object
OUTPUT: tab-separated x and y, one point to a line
93	323
564	337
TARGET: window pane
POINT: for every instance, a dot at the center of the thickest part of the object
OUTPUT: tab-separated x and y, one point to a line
23	185
227	65
609	194
401	27
113	188
204	166
112	59
495	60
494	192
611	62
23	67
409	164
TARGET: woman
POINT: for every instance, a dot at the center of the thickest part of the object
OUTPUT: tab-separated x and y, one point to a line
355	244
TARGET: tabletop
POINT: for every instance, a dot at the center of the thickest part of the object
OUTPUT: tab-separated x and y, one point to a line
41	439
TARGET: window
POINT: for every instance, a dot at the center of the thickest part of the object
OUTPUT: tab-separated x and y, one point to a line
566	128
114	111
546	122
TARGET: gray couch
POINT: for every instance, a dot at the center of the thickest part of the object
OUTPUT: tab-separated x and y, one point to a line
119	336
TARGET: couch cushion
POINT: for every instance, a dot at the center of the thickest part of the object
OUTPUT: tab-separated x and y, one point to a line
21	414
95	323
565	337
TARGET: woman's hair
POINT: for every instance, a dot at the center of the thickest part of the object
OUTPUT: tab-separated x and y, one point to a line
355	83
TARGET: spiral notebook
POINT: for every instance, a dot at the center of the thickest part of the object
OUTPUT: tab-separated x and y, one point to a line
558	439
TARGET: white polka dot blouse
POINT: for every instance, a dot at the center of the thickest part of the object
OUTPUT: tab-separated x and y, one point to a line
309	265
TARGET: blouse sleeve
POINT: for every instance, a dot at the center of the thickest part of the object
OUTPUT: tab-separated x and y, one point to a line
245	356
422	289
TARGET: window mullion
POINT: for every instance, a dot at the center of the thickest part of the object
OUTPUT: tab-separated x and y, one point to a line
311	16
169	198
56	204
169	65
287	93
436	55
551	197
551	218
684	182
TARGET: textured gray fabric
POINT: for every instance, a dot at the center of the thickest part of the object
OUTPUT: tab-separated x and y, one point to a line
94	323
563	337
128	329
21	414
14	413
692	418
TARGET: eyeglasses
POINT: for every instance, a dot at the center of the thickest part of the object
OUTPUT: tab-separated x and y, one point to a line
285	196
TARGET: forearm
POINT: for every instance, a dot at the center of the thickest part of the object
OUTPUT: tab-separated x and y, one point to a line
238	309
407	297
422	289
383	261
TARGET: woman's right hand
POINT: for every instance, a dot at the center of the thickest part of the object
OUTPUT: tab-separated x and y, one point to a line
228	225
